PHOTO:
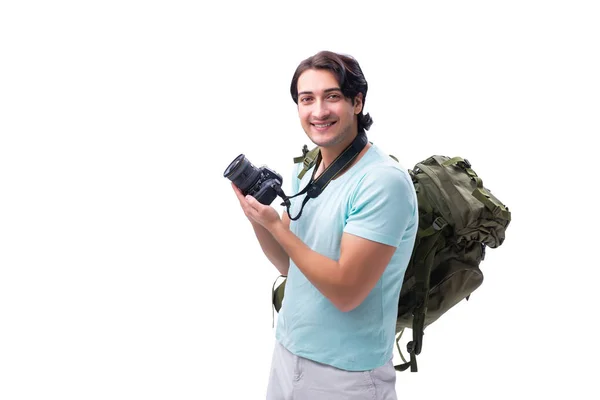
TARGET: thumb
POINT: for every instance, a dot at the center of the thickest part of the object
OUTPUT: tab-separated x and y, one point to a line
251	200
253	203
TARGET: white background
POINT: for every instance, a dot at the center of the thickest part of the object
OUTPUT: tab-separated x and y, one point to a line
127	269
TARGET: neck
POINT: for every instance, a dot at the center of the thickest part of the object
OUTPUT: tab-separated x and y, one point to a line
330	153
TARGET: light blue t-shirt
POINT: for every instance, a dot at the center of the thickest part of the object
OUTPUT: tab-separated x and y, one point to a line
374	199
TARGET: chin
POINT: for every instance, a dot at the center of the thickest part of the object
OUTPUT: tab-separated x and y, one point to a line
324	141
331	139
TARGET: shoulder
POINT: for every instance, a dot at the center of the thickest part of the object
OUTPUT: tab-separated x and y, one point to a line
382	203
380	170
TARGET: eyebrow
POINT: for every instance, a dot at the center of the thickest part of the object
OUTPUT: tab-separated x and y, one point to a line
336	89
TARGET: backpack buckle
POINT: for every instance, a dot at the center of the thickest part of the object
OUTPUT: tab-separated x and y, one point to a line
439	223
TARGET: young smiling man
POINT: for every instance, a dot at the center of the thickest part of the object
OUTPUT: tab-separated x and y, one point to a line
346	255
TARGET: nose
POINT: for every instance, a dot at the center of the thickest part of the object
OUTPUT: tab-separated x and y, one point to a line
320	110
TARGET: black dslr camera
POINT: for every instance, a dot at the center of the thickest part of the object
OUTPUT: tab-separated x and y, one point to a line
261	183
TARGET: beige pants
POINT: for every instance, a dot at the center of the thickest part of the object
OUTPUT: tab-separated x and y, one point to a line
297	378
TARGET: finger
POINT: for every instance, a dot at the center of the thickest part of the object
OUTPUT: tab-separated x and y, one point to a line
251	200
239	194
248	210
235	188
253	204
256	209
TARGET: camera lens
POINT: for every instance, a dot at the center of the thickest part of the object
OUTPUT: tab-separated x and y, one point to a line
242	173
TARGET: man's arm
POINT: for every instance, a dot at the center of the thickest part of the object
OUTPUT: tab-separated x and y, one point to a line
347	282
381	208
272	249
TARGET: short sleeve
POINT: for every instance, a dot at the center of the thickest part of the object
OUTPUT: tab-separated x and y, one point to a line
382	206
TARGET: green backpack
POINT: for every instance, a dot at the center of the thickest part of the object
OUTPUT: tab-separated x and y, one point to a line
458	219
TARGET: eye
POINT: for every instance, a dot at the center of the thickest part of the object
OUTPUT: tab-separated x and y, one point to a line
305	99
333	96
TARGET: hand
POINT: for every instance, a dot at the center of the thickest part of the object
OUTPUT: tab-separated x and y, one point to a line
266	216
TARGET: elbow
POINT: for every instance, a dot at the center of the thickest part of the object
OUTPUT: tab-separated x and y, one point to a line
283	267
346	306
347	296
348	302
281	263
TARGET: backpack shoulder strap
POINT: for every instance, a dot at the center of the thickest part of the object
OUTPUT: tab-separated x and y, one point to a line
308	158
428	241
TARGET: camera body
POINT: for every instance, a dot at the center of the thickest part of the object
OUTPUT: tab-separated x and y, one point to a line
262	183
264	190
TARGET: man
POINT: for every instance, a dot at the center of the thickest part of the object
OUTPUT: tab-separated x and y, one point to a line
345	256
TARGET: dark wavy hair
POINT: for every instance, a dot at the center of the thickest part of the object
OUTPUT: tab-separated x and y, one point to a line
348	74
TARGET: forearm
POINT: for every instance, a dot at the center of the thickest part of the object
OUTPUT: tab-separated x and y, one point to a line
272	249
323	272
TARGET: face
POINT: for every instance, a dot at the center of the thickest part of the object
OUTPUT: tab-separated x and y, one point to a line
327	117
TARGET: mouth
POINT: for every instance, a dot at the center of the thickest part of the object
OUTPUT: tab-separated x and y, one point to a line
323	127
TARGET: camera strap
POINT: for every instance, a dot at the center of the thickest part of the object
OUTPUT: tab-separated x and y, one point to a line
316	186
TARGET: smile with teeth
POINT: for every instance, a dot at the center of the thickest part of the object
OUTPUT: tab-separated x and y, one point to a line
323	125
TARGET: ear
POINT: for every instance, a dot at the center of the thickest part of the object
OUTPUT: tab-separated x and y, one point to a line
358	103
